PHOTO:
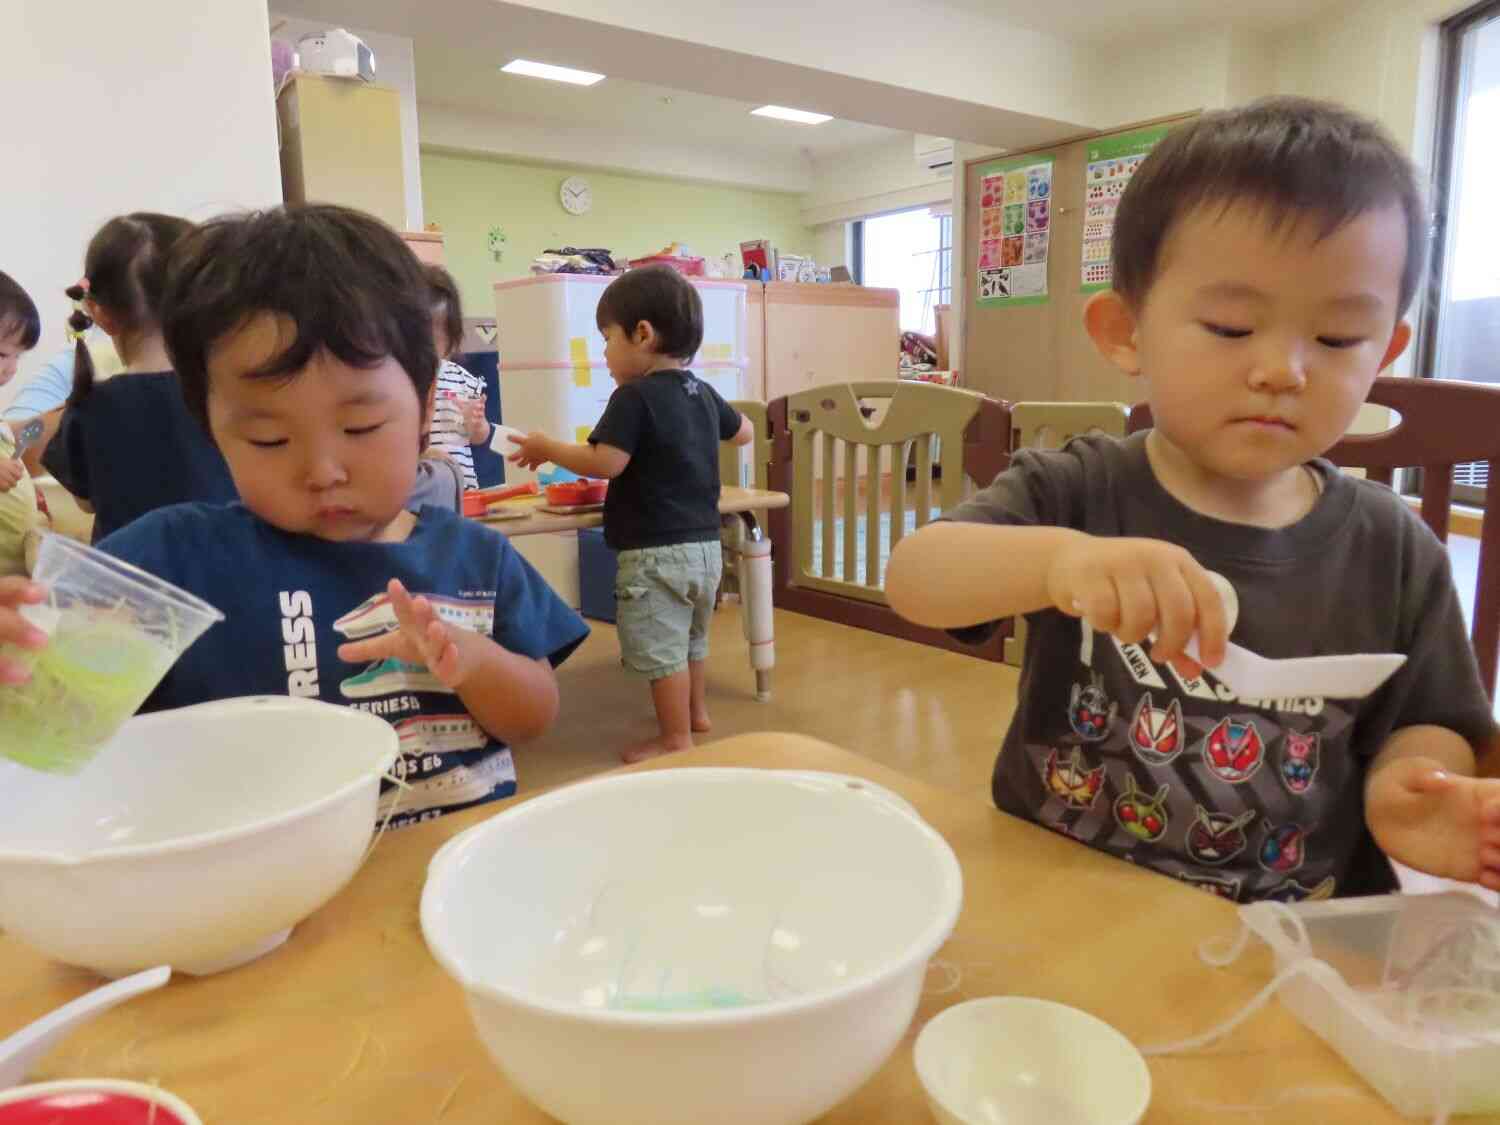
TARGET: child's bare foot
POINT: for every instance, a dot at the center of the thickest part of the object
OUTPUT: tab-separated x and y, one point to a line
701	723
656	747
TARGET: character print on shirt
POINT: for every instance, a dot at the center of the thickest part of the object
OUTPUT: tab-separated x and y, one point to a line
1300	757
1233	751
1090	711
1220	885
1284	848
1071	784
1143	816
1216	838
1295	891
1157	736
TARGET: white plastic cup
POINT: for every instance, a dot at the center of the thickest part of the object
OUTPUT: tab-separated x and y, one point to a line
114	632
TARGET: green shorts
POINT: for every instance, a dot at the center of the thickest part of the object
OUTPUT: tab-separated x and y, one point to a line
664	599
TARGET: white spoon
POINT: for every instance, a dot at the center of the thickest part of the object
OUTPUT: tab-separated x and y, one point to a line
20	1051
1251	676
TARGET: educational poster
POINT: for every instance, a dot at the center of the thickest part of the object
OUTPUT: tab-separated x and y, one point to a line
1111	163
1015	227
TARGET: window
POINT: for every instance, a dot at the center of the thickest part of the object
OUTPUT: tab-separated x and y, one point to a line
911	251
1461	339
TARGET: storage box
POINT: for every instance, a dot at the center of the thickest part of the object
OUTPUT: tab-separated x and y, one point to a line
597	563
688	267
1405	987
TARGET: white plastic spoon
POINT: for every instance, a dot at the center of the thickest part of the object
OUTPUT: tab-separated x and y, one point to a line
1251	676
20	1051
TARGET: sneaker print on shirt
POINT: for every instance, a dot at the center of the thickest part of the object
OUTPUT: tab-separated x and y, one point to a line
391	676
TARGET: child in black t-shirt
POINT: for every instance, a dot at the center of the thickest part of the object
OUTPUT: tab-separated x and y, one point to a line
657	443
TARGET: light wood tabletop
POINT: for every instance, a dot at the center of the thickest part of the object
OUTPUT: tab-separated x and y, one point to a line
732	501
352	1020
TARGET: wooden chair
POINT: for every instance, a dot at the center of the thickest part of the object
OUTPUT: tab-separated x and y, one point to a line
1443	423
840	466
1051	425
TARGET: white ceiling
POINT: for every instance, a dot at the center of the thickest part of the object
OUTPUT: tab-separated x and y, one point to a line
460	45
627	107
1106	21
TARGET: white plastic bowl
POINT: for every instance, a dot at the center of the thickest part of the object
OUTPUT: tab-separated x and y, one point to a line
740	947
1004	1060
196	839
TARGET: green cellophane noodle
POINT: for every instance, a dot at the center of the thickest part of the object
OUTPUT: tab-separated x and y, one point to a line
90	678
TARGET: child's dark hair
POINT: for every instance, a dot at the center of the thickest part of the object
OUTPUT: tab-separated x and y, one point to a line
345	280
18	315
124	271
1290	157
444	292
662	297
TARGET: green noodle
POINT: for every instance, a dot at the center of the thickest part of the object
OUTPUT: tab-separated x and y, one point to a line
90	678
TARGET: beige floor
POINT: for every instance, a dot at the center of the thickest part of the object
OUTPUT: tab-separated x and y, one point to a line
935	715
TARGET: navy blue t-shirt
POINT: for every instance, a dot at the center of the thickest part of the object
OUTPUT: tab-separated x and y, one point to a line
291	600
131	447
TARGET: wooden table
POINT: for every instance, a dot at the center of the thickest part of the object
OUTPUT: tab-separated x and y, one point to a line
732	502
737	507
352	1020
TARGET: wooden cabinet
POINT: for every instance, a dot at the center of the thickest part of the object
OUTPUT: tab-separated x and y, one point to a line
427	245
341	143
816	334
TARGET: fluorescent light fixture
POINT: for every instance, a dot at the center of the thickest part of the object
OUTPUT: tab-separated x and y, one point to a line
800	116
555	73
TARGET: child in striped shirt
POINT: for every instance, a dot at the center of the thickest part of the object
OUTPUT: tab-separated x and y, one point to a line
458	421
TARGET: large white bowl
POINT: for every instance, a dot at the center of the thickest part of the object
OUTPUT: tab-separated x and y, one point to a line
1005	1059
196	839
740	947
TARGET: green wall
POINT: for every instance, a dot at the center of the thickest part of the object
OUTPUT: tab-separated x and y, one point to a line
634	215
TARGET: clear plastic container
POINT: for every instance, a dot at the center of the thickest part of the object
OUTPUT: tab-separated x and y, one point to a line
1408	991
114	632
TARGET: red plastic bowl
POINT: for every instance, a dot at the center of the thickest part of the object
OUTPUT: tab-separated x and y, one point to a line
571	493
89	1102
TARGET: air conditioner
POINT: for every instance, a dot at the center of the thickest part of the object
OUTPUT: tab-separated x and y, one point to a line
934	154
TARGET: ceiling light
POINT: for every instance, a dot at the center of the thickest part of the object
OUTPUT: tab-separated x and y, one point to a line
555	73
800	116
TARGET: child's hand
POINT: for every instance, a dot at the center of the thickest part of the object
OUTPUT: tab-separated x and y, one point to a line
421	639
11	473
1133	588
1436	821
476	425
15	629
532	451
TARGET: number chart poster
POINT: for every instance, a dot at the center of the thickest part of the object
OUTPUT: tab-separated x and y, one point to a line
1015	227
1111	163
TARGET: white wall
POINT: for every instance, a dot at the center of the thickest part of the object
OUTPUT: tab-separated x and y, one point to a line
447	128
395	66
126	107
831	244
1163	77
871	180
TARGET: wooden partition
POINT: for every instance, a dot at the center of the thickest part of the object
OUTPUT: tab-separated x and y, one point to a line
1040	352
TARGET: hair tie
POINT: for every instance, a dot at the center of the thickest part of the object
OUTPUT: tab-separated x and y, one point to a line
79	322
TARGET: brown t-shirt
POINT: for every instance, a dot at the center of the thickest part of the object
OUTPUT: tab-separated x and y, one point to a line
1248	798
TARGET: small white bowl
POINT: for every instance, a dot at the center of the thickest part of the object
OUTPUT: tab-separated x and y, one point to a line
734	946
197	838
1007	1060
75	1097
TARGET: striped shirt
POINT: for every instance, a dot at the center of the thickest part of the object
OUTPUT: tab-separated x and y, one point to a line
454	384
